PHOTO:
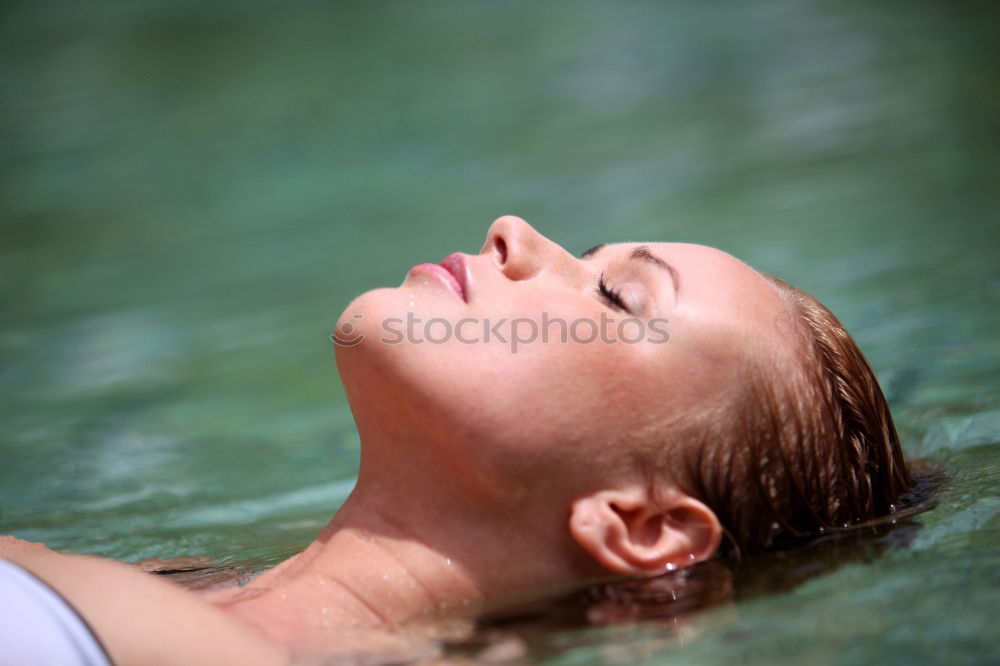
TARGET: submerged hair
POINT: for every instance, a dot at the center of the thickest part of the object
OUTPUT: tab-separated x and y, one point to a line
800	444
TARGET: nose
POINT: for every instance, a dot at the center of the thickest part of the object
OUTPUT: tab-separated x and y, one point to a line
520	252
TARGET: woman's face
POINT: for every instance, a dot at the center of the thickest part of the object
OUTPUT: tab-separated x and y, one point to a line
494	370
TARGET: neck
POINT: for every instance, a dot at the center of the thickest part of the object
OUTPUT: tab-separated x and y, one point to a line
382	564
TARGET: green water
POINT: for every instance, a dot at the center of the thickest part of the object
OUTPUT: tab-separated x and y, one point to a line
191	192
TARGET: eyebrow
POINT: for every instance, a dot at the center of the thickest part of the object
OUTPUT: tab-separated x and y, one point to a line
643	253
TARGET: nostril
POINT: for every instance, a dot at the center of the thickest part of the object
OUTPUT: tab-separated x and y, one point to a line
501	246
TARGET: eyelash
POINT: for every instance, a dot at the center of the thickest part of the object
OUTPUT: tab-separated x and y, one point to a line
610	295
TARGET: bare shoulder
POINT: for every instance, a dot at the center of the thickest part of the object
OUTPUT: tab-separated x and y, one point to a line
12	548
140	618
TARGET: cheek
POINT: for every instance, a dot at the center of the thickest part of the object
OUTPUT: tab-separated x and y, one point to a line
554	404
521	405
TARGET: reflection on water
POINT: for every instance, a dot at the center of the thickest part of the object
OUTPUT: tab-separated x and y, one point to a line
191	192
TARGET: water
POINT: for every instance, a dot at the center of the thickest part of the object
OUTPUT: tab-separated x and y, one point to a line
191	192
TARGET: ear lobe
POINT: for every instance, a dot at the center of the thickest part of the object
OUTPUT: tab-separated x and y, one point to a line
597	527
628	534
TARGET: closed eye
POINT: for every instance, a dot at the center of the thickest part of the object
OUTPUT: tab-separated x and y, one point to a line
610	295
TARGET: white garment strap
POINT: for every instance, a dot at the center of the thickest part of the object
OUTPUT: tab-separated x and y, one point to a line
37	626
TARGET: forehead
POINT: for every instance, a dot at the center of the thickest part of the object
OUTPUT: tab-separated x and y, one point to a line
714	287
700	262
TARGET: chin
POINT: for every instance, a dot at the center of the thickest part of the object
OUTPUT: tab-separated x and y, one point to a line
366	347
357	331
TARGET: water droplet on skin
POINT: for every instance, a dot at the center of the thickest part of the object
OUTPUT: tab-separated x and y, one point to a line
448	561
670	567
385	576
691	557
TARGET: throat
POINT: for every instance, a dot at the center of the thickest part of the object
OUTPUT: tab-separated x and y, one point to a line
354	581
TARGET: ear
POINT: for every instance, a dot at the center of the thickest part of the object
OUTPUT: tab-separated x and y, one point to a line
628	533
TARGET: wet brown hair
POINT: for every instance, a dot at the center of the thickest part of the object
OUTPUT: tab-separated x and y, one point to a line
800	444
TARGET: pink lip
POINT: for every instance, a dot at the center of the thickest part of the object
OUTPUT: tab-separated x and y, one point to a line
452	271
455	264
